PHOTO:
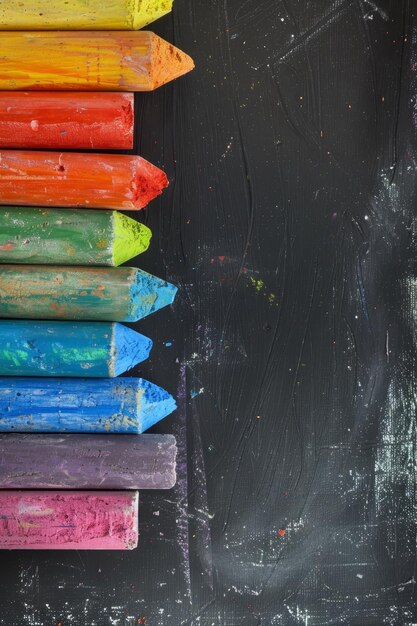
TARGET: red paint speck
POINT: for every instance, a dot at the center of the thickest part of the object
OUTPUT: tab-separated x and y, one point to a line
281	532
221	258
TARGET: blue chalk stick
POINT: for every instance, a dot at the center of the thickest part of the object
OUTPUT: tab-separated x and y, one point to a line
75	349
81	405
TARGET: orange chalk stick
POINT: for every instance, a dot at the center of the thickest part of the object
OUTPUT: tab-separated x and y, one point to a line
72	179
58	120
88	61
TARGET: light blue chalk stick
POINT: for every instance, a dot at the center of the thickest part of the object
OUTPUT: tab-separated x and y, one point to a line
75	349
81	405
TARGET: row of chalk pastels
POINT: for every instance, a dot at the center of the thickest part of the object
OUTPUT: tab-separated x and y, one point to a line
68	424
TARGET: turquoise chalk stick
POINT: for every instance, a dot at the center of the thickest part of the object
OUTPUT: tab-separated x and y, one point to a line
81	405
74	349
114	294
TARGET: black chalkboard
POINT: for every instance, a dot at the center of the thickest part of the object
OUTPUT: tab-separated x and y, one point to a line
289	228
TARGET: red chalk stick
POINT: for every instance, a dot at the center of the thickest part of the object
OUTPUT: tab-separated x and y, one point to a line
59	120
73	520
74	179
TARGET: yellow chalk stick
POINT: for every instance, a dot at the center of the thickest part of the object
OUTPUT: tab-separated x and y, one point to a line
81	14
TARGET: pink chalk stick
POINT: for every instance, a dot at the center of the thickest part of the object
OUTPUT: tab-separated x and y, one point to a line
68	520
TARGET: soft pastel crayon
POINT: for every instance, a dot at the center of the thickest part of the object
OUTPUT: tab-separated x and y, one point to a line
69	520
70	349
116	294
78	179
69	236
87	461
76	120
88	61
82	405
81	15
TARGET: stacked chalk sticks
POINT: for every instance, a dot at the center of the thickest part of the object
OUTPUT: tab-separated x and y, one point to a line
73	455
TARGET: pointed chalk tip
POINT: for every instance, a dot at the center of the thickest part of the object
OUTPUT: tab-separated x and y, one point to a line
165	295
155	405
149	294
130	238
153	10
129	349
149	182
169	62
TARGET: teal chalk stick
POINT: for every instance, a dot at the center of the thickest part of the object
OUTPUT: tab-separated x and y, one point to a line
81	405
74	349
115	294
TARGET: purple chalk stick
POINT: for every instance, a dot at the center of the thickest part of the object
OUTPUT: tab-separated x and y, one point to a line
87	461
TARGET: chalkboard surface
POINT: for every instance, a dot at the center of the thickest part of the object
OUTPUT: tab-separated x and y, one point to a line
289	228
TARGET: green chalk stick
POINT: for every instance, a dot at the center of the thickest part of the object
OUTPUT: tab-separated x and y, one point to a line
69	236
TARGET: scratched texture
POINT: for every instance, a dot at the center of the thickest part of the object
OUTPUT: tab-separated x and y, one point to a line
289	227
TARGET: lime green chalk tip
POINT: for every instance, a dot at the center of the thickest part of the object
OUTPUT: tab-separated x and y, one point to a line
130	238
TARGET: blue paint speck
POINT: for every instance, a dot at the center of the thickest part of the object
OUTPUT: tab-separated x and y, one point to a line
194	394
